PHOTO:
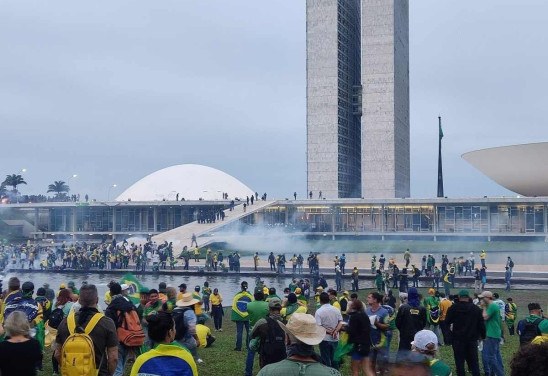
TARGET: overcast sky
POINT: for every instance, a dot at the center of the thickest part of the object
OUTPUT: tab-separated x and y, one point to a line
114	90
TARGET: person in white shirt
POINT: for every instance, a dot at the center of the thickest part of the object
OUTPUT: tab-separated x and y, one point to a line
331	319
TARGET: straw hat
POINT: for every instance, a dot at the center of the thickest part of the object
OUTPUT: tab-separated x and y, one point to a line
186	301
303	327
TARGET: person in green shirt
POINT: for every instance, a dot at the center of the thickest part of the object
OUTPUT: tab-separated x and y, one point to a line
154	303
256	310
491	356
425	342
379	281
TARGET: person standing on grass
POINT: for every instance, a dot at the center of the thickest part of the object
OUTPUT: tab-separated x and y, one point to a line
331	319
240	315
465	320
492	359
256	310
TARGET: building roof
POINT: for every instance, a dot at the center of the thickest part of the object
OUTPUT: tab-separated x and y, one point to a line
190	181
519	168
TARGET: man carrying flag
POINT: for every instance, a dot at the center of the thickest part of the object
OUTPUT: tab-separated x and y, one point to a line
240	315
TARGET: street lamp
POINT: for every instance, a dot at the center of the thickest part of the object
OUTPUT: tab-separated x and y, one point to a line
71	177
109	188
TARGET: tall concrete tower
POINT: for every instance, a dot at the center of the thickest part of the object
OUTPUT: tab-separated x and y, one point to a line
357	90
385	98
332	115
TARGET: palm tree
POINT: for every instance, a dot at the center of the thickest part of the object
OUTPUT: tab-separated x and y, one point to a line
3	190
13	181
59	187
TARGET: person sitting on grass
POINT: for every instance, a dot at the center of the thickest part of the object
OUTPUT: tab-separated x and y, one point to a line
204	333
168	357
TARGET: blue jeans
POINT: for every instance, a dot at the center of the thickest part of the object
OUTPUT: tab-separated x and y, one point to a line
240	325
491	356
327	351
122	360
249	362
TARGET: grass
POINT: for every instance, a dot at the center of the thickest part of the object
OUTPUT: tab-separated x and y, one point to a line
222	359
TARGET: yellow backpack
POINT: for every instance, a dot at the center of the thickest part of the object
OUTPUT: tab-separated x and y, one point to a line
78	353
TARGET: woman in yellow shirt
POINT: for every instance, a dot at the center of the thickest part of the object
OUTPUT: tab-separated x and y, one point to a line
216	301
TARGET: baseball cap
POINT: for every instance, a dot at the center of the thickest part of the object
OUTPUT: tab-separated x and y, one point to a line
197	288
124	286
464	294
298	290
486	294
423	338
182	286
62	286
275	304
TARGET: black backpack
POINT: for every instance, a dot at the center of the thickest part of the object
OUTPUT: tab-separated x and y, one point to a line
55	318
529	330
273	348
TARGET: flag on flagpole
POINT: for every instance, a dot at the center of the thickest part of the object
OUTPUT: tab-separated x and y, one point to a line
441	132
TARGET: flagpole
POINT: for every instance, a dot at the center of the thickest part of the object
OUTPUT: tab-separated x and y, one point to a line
440	168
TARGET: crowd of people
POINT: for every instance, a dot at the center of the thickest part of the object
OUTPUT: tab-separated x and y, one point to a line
159	330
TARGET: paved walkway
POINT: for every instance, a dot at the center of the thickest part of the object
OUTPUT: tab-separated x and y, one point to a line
182	236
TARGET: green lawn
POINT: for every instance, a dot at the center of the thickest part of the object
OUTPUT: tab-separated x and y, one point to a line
222	359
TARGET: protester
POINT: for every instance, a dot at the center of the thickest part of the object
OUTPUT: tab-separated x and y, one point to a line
101	329
240	316
20	355
510	312
167	358
378	316
467	327
185	323
302	333
256	310
270	335
426	342
116	310
411	318
445	303
217	312
492	359
204	334
359	334
528	328
330	318
432	305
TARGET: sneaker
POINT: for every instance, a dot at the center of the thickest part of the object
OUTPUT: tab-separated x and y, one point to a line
237	349
220	330
199	361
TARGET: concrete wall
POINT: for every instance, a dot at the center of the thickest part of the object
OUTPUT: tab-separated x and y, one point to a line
385	101
321	95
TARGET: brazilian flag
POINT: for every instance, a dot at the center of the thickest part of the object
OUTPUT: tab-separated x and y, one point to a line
135	288
239	306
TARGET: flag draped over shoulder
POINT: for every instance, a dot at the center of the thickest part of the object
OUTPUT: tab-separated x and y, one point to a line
239	305
135	287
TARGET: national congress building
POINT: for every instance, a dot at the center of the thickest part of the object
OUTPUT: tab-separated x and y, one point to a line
357	98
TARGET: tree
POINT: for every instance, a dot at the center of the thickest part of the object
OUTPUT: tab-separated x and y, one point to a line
13	181
59	187
3	190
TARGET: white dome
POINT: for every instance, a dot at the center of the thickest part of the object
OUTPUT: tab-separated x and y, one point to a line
191	181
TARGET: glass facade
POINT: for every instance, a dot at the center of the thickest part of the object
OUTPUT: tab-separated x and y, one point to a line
352	217
349	77
485	219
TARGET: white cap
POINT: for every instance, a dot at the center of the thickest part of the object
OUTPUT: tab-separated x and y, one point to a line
423	338
124	286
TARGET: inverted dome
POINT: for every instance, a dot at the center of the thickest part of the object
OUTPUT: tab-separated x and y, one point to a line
519	168
190	181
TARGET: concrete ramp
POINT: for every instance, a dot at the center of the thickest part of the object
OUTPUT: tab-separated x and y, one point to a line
182	236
